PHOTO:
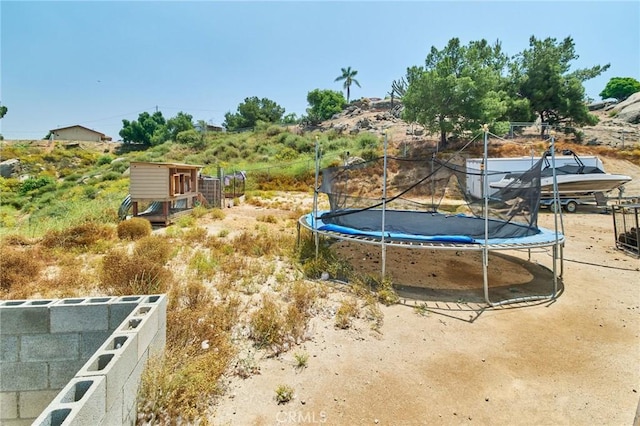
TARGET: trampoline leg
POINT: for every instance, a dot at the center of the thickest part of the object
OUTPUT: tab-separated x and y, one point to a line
485	275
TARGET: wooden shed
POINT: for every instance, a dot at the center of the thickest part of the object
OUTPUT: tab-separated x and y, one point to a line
169	189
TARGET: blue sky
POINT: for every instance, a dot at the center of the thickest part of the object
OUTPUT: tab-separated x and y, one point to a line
96	63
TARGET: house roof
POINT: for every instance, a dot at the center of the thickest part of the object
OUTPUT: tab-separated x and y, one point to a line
77	125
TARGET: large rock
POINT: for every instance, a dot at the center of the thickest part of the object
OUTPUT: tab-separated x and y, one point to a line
629	109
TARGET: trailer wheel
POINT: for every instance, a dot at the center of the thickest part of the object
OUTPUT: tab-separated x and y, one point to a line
571	207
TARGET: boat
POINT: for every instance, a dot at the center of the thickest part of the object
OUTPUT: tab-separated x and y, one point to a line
574	179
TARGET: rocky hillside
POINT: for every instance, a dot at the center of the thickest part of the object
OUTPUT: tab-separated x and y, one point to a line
618	125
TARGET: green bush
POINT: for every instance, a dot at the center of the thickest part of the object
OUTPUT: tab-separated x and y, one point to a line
35	183
134	229
104	159
367	140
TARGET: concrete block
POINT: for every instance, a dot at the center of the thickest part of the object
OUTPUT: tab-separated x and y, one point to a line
32	403
120	310
115	364
91	341
85	397
144	323
9	348
54	417
113	416
69	315
161	301
21	376
50	347
17	422
130	391
60	372
8	405
21	319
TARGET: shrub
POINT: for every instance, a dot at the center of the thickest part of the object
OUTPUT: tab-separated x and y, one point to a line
367	141
19	267
81	236
267	325
274	130
134	228
347	311
154	248
35	183
121	274
104	159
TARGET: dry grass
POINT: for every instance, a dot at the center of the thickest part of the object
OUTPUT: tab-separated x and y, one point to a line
134	229
80	236
199	352
154	248
124	274
18	267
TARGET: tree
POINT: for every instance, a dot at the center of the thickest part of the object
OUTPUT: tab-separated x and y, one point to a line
324	104
251	111
459	88
180	123
541	75
148	130
3	110
620	88
348	78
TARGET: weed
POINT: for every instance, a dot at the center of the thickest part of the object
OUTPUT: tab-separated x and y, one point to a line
186	221
284	394
154	248
134	228
19	267
197	234
422	309
123	274
302	359
246	367
347	311
203	265
199	211
217	214
80	236
267	325
223	233
267	218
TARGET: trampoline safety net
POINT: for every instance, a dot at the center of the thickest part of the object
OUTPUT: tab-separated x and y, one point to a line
420	194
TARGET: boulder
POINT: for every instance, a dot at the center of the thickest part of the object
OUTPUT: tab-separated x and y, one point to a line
629	109
9	167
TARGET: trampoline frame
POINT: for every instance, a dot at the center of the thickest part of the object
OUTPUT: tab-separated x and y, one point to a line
557	243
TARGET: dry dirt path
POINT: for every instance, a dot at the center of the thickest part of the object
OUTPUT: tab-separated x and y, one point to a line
573	361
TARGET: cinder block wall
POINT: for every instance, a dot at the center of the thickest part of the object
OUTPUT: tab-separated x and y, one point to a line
62	359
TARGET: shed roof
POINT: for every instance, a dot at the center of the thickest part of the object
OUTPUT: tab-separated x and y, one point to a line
182	165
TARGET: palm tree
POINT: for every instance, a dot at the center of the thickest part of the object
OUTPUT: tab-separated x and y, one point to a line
347	76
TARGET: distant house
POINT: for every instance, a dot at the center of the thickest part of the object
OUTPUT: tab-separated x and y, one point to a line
208	128
78	133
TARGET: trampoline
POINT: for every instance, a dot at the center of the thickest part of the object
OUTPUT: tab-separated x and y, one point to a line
498	220
429	229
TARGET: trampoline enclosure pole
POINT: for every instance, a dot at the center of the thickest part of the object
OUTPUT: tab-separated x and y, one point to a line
384	208
485	193
315	200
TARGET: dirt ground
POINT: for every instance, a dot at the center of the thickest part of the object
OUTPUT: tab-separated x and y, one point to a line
443	356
